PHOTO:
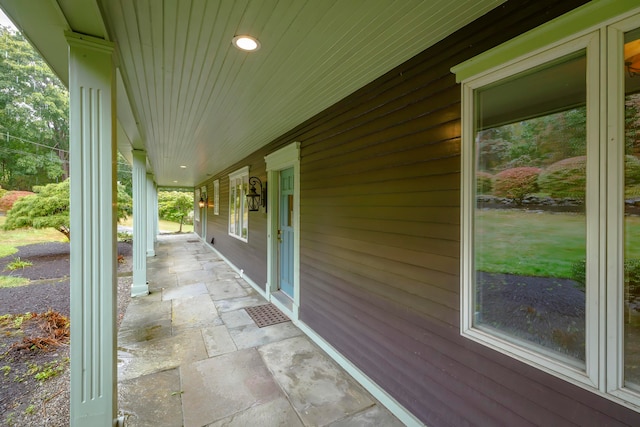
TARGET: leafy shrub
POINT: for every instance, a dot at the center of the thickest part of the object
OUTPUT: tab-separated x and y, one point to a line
516	183
566	178
631	170
10	197
631	274
49	207
579	273
484	183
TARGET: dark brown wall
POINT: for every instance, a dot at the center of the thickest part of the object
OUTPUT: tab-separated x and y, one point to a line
249	256
380	241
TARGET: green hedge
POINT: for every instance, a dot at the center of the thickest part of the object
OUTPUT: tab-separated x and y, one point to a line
565	179
484	183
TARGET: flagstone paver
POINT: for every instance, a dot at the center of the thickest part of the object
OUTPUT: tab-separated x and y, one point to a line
190	355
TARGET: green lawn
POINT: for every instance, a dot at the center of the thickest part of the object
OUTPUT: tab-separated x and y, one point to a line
10	240
165	226
536	244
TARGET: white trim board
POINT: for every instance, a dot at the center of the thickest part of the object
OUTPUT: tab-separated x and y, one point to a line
367	383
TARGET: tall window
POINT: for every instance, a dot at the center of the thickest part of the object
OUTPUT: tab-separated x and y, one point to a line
238	209
529	229
216	197
196	210
631	207
551	208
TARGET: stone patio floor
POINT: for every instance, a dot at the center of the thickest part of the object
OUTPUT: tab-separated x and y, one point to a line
190	355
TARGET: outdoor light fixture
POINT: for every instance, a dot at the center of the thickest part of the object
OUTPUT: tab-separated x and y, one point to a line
632	58
202	201
246	43
255	199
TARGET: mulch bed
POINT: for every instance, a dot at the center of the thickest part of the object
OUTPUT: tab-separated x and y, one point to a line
48	290
50	271
544	310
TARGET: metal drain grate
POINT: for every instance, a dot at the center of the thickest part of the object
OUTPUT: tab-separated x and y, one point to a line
266	315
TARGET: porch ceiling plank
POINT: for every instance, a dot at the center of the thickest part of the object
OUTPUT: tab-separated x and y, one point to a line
188	25
178	56
213	68
143	14
198	101
169	42
130	58
156	14
198	49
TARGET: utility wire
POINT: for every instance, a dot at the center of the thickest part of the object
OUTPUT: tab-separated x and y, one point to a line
8	136
13	150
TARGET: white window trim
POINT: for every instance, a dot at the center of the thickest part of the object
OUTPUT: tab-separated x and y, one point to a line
534	355
196	209
216	197
604	370
615	209
240	173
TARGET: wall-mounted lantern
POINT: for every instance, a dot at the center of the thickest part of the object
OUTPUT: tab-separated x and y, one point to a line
203	201
255	199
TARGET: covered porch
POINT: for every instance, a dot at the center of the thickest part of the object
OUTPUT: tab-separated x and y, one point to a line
189	354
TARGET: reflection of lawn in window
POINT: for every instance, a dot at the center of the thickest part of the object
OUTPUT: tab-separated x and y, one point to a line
529	243
533	243
523	259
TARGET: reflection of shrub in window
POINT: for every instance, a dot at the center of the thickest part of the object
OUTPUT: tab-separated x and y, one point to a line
566	178
631	170
484	183
516	183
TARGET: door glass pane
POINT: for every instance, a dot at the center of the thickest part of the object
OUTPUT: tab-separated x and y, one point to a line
244	190
529	221
631	315
232	207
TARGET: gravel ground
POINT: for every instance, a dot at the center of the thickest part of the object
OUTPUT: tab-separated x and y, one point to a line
32	403
544	310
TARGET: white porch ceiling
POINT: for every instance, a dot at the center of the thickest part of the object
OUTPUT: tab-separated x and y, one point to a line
188	97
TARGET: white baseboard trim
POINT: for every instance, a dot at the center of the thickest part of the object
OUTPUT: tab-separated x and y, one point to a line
238	270
382	396
378	393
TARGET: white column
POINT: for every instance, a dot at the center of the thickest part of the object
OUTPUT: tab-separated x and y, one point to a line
151	197
92	148
156	229
139	171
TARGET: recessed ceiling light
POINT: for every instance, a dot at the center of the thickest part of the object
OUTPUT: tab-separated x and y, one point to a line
175	181
246	43
183	167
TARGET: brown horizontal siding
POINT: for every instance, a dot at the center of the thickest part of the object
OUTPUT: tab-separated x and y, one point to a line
380	218
454	367
249	256
380	238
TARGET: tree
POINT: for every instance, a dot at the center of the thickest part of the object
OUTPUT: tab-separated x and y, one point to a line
49	207
174	206
124	174
34	111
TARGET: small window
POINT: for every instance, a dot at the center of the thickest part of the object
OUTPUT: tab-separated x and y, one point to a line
216	197
238	209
